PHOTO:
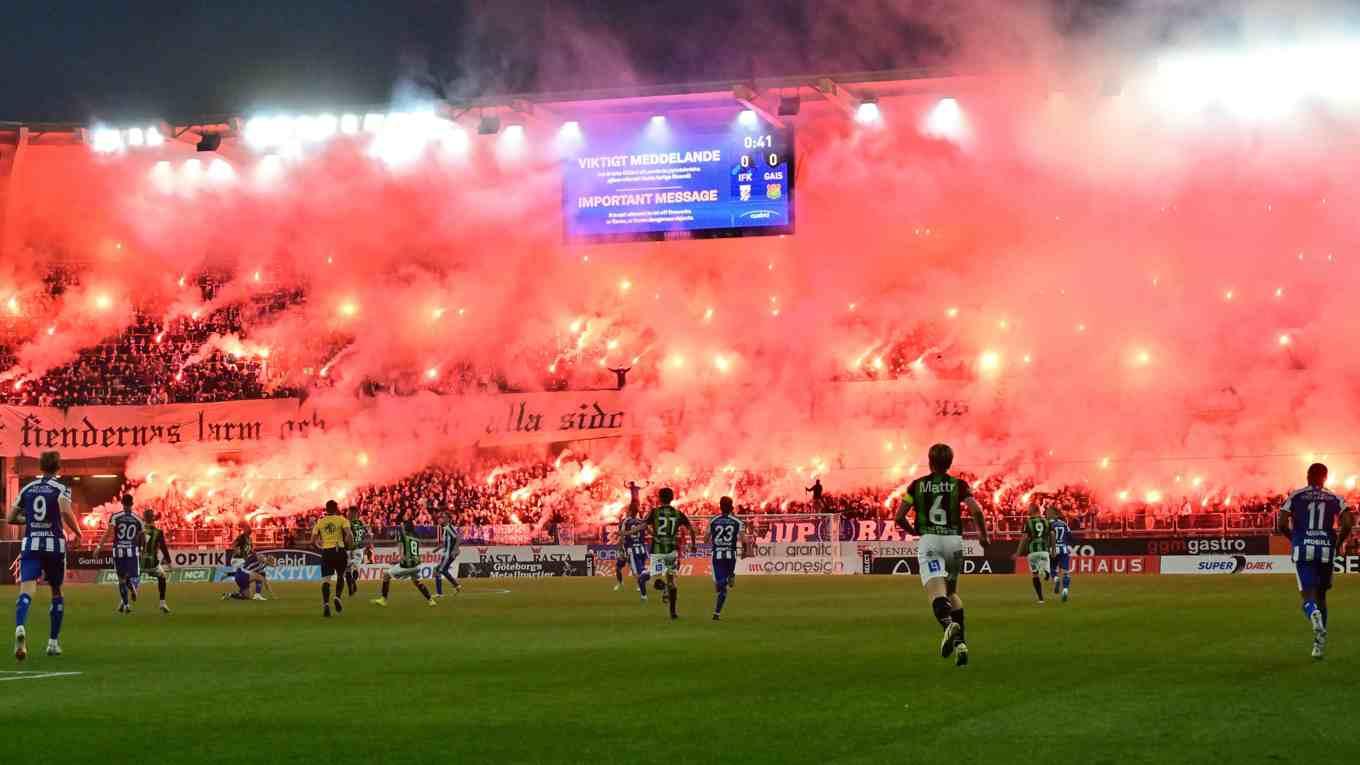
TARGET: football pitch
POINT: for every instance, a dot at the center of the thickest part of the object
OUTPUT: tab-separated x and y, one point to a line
801	669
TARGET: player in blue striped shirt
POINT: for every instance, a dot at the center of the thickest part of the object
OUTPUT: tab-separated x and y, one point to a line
724	534
448	549
1062	552
42	507
1309	518
128	540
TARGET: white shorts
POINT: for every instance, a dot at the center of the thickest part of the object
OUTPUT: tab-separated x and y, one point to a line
1038	564
397	572
356	558
665	563
940	557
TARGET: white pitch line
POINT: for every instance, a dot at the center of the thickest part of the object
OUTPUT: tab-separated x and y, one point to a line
32	675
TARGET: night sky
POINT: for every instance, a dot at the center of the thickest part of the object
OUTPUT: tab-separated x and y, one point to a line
87	60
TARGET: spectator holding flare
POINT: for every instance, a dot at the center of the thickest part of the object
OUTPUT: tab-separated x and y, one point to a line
816	490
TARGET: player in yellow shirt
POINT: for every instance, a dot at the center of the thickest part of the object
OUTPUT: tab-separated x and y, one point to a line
333	537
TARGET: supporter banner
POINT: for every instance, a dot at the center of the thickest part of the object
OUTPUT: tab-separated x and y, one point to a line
905	549
111	431
526	568
1226	564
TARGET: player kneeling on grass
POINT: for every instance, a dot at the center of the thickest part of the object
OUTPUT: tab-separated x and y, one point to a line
724	534
408	567
1035	543
333	536
938	500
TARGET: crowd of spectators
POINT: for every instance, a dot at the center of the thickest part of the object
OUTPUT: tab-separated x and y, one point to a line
155	360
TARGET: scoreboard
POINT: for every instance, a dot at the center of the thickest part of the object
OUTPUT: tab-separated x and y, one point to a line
669	178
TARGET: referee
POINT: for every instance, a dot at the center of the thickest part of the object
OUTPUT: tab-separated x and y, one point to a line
332	536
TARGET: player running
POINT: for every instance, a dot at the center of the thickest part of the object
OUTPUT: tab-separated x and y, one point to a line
448	555
332	536
633	548
128	539
408	567
621	558
665	523
1062	552
42	507
1036	542
938	500
1309	518
724	534
155	549
361	549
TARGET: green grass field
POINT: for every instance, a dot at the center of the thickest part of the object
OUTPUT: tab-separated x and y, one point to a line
835	669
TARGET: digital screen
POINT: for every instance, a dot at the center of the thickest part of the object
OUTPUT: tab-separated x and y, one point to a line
666	178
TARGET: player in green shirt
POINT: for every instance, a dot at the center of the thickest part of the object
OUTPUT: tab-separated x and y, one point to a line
938	500
1036	543
151	555
665	523
408	567
362	546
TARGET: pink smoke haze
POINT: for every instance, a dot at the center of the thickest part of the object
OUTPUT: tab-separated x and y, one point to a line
1109	269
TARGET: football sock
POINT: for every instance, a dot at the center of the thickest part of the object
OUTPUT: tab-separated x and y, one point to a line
387	584
421	586
957	616
122	591
1038	588
160	586
57	611
940	606
1057	585
21	610
1324	615
1067	581
258	587
670	587
722	598
326	593
439	582
642	584
618	571
1308	608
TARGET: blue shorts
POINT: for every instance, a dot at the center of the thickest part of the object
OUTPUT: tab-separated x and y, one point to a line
50	566
127	568
242	578
1062	561
639	563
724	571
1314	575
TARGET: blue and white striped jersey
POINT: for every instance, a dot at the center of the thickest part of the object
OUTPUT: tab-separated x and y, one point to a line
127	534
449	540
725	531
1062	537
40	503
1312	522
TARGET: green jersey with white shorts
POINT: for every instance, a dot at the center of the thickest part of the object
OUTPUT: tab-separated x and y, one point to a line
1038	529
938	501
665	522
